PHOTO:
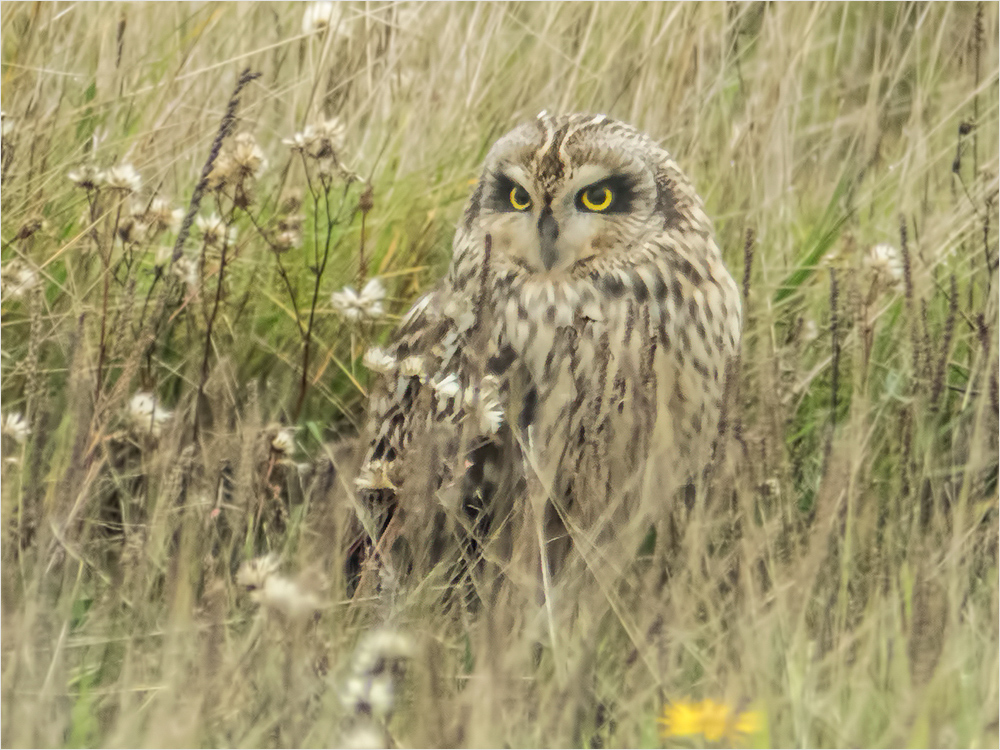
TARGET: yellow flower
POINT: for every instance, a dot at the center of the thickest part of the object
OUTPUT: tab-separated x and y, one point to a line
714	721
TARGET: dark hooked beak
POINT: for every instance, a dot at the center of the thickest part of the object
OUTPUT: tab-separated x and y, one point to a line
548	233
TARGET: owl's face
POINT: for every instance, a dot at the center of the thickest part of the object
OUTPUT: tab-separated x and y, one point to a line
559	193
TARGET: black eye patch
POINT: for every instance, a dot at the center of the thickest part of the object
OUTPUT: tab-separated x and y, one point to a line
507	195
619	189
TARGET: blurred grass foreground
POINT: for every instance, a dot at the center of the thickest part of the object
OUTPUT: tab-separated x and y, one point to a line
210	212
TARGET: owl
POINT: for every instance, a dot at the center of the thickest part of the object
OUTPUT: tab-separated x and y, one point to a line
548	399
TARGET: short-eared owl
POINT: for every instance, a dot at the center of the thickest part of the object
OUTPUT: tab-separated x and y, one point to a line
565	378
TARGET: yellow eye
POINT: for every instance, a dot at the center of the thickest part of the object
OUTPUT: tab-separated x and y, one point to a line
519	198
597	198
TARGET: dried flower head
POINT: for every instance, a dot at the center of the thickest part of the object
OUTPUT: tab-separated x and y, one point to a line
267	587
368	696
377	669
214	232
158	216
291	222
322	141
319	16
284	440
355	307
186	269
810	331
17	278
123	177
223	169
714	721
284	241
247	157
289	232
132	230
885	264
87	176
364	737
16	427
253	573
383	649
146	416
378	360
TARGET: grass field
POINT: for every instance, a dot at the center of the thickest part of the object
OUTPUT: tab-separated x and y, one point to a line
848	154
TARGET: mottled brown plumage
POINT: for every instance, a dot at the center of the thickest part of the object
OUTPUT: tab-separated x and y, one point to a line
566	377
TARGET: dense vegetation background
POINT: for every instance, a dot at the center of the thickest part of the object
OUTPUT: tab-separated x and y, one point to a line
162	335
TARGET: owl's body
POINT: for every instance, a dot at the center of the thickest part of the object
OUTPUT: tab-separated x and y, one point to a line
566	377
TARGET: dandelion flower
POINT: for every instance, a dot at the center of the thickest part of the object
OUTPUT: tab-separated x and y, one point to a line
364	306
16	426
87	176
146	415
885	263
123	177
214	232
17	278
714	721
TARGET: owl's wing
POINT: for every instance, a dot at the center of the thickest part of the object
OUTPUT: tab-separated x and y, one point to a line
436	436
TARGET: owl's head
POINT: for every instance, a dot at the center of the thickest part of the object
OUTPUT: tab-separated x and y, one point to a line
561	192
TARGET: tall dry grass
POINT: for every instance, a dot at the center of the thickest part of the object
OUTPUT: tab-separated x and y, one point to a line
839	574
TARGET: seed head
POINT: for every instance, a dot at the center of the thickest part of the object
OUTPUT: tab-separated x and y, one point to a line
319	16
247	157
17	278
158	215
356	307
146	416
123	177
16	427
284	440
214	232
267	587
186	269
87	176
378	360
885	265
